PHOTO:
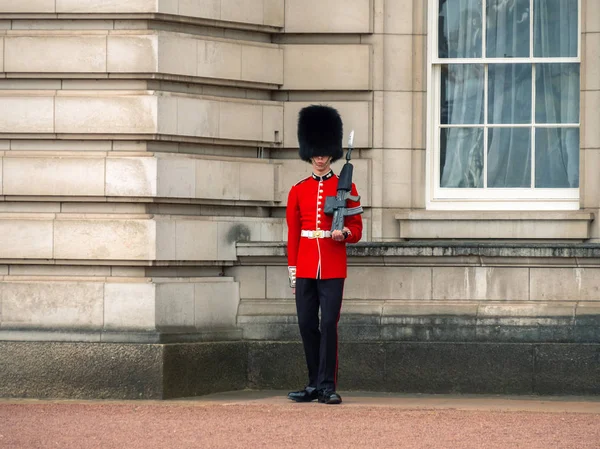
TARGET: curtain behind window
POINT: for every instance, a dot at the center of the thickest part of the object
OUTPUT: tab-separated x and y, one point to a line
509	92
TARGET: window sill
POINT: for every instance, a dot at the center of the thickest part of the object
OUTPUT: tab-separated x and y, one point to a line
567	225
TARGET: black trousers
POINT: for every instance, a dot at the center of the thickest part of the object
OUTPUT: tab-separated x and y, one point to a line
320	342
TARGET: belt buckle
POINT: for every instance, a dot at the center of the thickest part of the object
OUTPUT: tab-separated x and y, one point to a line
318	234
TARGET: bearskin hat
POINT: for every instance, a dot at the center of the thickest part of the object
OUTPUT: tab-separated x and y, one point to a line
320	133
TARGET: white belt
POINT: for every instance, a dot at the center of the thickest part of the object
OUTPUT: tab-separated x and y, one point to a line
316	234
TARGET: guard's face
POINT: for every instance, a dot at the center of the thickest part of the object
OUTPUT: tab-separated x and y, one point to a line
321	163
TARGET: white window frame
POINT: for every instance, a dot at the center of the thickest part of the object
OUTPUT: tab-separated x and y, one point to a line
497	198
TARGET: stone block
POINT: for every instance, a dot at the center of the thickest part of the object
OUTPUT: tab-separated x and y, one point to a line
168	114
178	54
388	283
563	369
217	179
262	64
217	59
528	310
590	64
277	283
197	117
420	18
216	304
176	177
27	6
356	115
590	134
590	21
589	182
81	370
257	182
418	176
105	6
244	11
398	17
195	369
419	54
132	53
276	366
333	16
131	176
56	176
166	233
52	305
272	124
26	238
37	54
399	69
376	42
397	178
565	284
175	307
419	120
274	13
230	232
494	225
208	9
252	281
361	367
467	368
267	310
327	67
481	283
118	114
129	306
196	240
397	120
21	114
104	239
240	121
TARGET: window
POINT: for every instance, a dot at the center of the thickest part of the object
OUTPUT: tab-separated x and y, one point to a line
504	104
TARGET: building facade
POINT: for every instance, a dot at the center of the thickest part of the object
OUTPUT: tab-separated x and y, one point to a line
146	152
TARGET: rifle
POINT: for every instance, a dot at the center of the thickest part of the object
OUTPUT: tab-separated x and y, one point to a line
336	205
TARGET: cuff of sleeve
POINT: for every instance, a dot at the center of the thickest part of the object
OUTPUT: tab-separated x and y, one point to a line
292	276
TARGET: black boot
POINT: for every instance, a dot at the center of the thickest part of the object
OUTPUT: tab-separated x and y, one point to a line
329	397
306	395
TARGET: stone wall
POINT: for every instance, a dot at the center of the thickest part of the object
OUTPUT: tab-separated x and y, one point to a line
146	152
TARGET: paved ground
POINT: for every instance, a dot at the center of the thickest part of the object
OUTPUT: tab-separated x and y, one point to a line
267	420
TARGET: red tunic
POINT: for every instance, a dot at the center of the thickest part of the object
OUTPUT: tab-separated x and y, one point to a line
322	258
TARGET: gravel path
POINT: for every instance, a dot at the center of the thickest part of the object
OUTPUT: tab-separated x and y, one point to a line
274	423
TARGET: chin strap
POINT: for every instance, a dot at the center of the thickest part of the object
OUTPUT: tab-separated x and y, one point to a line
292	276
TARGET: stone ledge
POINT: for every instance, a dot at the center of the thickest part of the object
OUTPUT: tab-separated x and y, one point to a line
495	225
267	14
434	321
379	251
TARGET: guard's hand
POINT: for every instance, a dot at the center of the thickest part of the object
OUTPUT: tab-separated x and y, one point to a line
338	235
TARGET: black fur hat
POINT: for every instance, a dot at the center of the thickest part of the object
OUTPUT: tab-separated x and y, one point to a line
320	133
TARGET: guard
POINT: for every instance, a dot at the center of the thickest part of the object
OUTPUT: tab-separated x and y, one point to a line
316	253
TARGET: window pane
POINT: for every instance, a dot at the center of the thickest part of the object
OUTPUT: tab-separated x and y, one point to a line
507	29
557	93
462	94
555	31
509	157
461	157
509	90
557	157
459	29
